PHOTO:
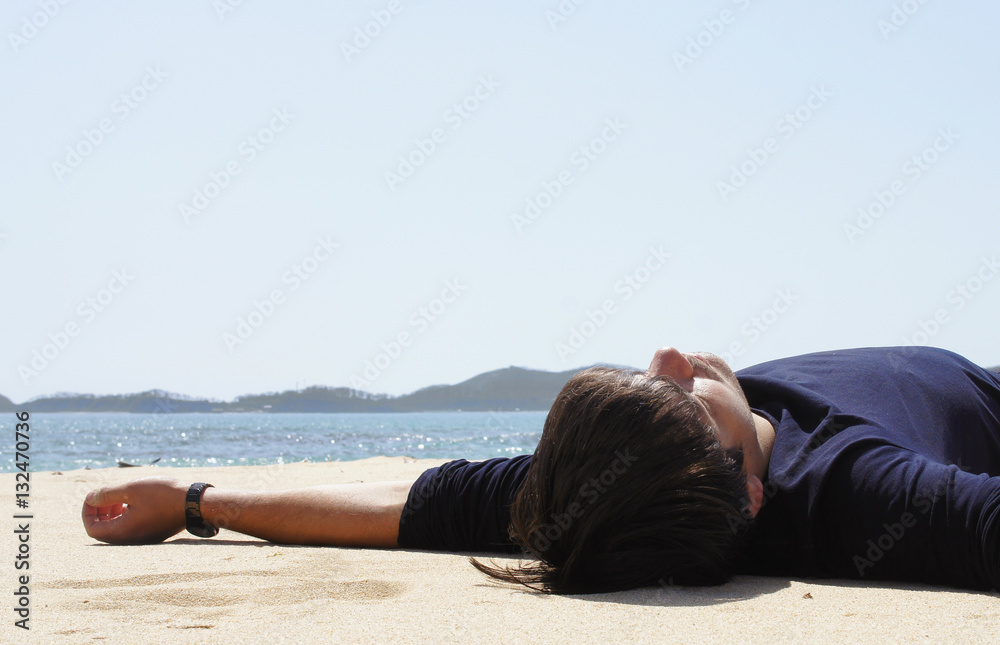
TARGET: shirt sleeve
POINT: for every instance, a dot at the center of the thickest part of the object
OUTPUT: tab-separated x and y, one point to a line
463	506
889	513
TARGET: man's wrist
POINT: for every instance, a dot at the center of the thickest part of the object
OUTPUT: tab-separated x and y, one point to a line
219	507
209	504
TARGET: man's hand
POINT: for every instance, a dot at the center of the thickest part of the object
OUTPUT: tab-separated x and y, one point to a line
140	512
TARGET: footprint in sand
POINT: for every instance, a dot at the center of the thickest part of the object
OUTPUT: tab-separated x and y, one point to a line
176	589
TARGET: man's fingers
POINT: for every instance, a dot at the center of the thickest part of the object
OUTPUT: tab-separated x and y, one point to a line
103	512
106	496
139	512
104	524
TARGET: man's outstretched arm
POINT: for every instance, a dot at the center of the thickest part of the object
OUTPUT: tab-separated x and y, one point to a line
151	510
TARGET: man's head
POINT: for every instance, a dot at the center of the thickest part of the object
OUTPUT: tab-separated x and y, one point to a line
713	386
638	479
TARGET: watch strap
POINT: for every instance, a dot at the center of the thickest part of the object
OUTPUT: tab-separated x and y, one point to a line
196	524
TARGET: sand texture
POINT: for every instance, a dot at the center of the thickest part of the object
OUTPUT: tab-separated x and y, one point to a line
237	589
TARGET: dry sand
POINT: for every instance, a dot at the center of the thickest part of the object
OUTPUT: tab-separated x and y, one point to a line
236	589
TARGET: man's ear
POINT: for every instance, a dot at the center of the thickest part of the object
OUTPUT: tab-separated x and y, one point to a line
755	493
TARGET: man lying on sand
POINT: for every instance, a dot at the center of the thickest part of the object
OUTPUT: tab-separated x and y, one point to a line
879	463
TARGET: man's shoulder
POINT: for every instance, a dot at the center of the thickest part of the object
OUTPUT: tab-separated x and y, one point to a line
897	356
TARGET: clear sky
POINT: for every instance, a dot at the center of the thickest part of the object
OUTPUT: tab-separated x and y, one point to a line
237	197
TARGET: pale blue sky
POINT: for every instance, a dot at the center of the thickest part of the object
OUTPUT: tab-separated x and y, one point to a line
774	249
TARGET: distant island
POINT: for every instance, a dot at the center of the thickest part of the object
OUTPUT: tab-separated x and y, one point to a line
508	389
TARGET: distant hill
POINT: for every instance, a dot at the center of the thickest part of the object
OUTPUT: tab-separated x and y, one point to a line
506	389
314	399
143	402
511	388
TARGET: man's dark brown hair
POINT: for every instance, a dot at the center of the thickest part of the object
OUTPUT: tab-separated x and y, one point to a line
627	488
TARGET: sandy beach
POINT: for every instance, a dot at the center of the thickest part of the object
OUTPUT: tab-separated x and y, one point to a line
235	588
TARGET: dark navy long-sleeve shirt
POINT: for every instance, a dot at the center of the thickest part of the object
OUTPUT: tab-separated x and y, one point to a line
886	465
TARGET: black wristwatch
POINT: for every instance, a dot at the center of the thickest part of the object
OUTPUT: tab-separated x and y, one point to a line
192	511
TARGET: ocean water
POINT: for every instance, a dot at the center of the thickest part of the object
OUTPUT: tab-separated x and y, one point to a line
100	440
